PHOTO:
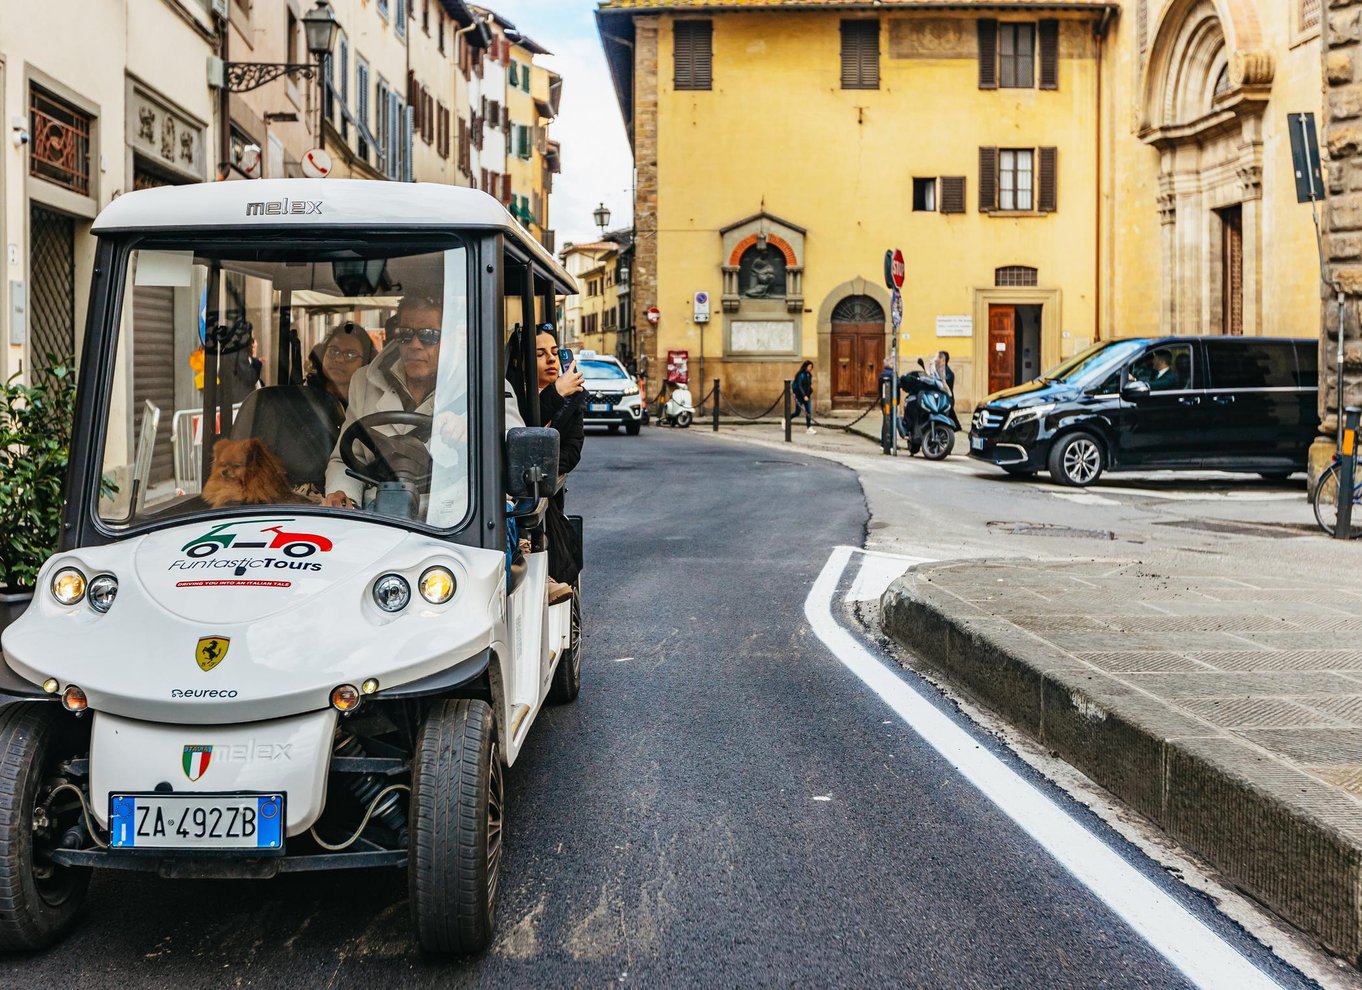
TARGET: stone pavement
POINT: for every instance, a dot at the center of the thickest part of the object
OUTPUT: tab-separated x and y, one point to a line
1226	706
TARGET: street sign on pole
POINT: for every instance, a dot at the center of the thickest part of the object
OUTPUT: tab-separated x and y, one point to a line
1305	157
653	314
896	310
316	164
702	307
894	269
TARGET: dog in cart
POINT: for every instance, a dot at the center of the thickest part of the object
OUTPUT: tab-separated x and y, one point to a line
328	655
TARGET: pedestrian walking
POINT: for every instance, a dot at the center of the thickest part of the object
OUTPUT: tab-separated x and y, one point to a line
802	390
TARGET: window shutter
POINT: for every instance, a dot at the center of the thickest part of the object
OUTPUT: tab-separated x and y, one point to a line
693	55
988	54
988	180
1049	54
952	194
861	54
1049	181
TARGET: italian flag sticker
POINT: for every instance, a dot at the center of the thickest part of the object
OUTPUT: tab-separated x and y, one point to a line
196	760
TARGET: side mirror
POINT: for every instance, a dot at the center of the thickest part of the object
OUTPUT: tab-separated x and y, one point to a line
921	365
531	461
1134	390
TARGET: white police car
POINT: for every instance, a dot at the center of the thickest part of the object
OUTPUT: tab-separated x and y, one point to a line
612	395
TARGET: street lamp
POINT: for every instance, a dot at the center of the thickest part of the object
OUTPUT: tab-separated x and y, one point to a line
320	28
602	217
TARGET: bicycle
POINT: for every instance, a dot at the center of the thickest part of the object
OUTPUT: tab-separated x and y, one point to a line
1325	500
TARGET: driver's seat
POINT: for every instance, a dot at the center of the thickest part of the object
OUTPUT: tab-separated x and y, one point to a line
300	424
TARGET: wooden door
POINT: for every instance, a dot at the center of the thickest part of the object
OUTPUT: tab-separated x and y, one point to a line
1232	271
1002	346
844	383
869	361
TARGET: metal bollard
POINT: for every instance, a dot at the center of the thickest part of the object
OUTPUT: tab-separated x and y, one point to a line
716	405
887	386
788	411
1347	473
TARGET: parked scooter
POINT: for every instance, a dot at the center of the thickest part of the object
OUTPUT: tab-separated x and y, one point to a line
679	409
928	423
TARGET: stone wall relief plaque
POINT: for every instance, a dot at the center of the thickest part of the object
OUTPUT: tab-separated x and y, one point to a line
162	135
761	336
932	37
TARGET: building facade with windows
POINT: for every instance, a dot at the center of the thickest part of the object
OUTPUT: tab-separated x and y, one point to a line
591	318
1050	169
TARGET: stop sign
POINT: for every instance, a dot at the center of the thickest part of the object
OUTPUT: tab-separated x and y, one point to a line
654	314
898	269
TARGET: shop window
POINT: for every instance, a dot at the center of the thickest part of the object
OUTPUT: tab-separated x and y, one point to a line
60	147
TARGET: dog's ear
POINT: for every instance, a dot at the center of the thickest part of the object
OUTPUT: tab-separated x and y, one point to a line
221	445
254	452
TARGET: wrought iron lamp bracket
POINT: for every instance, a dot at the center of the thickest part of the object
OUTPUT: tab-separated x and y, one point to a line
245	76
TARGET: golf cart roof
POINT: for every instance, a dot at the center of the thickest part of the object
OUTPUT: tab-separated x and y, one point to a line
312	203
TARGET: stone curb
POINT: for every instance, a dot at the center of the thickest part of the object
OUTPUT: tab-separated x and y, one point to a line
1275	832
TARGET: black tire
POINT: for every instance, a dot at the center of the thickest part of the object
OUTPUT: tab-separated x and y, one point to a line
683	418
1020	472
632	428
567	676
1325	501
613	427
938	442
39	901
458	806
1076	460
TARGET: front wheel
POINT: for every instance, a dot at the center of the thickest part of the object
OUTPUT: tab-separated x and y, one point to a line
1325	501
39	900
632	428
937	442
683	419
458	809
1076	460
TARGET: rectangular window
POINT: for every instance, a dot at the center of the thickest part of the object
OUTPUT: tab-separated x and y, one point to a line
362	105
1016	56
383	9
400	18
440	22
1169	368
952	194
291	37
343	70
1047	180
861	54
381	135
525	79
513	74
693	54
60	146
924	195
1047	38
1015	179
1309	14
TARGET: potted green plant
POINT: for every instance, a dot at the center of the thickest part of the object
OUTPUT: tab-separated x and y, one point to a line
35	436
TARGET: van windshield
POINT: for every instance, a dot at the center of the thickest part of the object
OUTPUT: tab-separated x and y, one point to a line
284	375
1096	364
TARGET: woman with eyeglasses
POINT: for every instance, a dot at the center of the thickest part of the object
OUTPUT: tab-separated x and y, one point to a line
335	360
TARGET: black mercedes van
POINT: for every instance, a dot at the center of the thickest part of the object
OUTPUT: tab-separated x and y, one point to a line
1193	403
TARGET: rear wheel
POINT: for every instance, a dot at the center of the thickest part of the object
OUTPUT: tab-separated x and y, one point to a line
458	808
1076	460
938	442
632	428
567	678
1325	500
39	900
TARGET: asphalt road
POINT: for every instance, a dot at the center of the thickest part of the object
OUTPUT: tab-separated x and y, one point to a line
724	805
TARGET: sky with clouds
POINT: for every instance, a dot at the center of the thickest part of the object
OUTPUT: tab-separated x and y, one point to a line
597	165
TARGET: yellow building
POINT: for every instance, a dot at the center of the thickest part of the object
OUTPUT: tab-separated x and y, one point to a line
591	319
1024	155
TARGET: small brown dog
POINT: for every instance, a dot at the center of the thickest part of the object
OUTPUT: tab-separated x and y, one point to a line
246	472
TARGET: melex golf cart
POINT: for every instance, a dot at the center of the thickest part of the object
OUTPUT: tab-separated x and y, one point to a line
282	634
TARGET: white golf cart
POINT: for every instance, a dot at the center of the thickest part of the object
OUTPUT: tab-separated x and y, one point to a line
281	634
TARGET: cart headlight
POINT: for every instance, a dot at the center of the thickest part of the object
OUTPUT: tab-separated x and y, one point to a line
1018	416
437	585
68	586
103	590
391	592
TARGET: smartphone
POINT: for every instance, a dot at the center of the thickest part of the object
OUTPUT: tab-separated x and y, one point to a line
564	359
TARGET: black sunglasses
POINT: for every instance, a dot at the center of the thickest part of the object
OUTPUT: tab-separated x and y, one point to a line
430	336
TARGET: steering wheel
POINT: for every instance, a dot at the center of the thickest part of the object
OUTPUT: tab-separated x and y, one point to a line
403	457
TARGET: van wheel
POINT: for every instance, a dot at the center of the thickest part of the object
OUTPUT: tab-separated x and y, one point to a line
1076	460
632	428
458	811
39	900
567	678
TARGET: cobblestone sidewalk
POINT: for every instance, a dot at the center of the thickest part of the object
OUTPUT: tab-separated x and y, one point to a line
1226	708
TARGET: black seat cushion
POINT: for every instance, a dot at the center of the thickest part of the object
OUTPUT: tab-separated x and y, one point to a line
300	424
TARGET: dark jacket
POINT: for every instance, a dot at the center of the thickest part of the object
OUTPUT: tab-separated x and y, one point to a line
566	418
802	386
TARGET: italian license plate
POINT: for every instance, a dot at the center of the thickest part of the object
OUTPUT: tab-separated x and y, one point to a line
599	407
977	443
197	821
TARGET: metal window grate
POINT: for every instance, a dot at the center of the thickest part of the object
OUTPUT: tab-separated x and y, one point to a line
61	142
1310	11
1015	276
52	299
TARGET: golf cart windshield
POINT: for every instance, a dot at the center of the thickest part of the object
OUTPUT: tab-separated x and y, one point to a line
279	374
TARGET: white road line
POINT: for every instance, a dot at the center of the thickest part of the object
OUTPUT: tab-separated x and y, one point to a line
878	571
1085	498
1170	929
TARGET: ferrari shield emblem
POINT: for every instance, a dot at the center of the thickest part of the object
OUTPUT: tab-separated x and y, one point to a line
196	760
210	651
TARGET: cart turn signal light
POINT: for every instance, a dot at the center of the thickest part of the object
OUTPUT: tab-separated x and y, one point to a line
345	698
73	699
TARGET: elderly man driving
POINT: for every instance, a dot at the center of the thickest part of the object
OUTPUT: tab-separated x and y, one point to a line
404	383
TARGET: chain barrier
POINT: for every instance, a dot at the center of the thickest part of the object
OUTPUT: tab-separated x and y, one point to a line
752	419
660	400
